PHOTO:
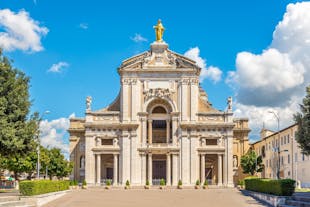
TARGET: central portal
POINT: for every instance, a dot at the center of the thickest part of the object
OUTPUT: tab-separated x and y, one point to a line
159	169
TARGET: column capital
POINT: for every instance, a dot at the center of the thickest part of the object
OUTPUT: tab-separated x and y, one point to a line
150	120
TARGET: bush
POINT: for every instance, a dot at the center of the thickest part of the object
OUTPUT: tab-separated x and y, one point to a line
147	182
241	183
37	187
108	183
127	183
282	187
197	182
180	183
162	182
205	183
84	183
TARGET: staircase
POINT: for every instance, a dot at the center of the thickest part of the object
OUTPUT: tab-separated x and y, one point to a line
12	201
298	199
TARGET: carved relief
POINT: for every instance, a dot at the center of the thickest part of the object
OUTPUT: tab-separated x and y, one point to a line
129	81
157	92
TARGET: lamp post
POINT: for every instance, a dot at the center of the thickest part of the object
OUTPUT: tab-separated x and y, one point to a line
278	147
38	148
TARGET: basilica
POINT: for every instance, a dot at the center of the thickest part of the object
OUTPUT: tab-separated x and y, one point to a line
161	125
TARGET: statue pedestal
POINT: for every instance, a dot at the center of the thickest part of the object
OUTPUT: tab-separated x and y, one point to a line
159	47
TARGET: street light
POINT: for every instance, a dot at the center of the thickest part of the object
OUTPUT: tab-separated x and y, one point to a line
38	148
278	148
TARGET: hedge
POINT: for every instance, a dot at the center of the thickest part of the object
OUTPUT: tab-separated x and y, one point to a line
282	187
37	187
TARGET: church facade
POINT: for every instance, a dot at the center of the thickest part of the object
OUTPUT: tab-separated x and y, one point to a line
160	126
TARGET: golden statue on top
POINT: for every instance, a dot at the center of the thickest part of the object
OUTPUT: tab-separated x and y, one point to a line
159	31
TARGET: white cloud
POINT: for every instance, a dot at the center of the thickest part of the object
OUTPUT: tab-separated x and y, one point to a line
211	72
83	26
54	133
20	31
276	78
58	67
138	38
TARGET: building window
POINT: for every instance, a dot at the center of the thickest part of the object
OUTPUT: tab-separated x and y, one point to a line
266	163
281	140
284	139
288	159
303	157
296	158
288	138
282	160
289	173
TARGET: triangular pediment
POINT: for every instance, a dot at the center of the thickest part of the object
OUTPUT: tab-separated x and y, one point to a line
158	57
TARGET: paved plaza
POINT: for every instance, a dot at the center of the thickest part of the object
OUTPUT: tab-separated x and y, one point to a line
155	198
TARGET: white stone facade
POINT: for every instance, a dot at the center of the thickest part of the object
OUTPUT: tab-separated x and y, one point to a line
161	126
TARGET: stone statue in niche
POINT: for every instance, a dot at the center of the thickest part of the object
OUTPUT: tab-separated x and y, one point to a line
88	102
82	164
235	161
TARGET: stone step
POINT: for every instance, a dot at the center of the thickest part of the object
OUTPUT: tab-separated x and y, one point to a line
297	203
13	204
8	198
285	205
301	198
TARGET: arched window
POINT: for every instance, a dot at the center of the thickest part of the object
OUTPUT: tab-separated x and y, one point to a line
159	110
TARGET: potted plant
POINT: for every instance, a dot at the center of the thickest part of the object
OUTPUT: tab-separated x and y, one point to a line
108	185
197	186
147	184
84	184
205	185
127	186
180	184
162	184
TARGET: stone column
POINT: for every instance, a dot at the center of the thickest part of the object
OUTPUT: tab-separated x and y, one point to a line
168	169
202	168
150	131
174	129
143	134
115	169
168	131
143	169
175	171
219	170
98	169
150	168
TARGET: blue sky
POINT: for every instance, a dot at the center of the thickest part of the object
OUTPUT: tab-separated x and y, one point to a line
89	39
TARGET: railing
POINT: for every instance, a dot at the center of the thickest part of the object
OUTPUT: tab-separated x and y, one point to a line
6	184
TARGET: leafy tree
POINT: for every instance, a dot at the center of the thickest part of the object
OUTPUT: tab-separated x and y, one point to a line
302	119
58	165
251	163
17	130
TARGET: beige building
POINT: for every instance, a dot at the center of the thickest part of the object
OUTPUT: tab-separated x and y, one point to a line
280	151
161	125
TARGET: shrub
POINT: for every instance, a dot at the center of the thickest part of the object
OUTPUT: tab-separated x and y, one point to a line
108	182
205	183
37	187
127	183
162	182
197	182
84	182
180	183
147	182
241	183
75	182
282	187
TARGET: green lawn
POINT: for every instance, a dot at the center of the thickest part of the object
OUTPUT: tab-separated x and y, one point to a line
302	190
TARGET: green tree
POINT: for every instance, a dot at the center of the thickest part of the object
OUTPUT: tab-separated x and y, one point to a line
58	165
17	129
302	119
251	163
